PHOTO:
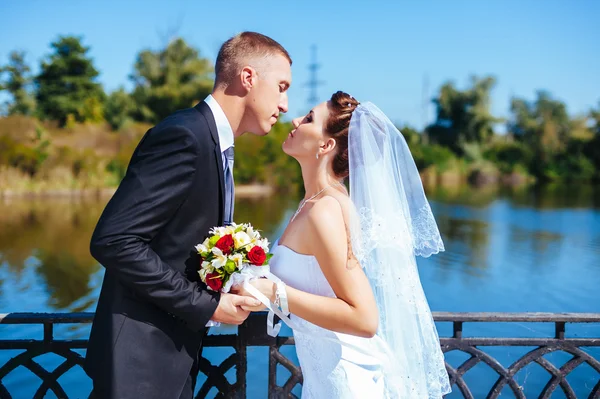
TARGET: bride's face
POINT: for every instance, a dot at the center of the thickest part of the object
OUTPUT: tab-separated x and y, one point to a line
308	134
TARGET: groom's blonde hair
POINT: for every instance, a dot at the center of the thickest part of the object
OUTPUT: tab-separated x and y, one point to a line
235	53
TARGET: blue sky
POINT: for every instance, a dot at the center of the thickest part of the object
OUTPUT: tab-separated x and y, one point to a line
379	51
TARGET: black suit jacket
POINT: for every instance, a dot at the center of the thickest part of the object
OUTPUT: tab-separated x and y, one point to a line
152	309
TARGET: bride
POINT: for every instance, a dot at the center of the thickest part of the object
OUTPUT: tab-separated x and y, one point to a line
346	261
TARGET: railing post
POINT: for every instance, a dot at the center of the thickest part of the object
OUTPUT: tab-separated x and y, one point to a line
559	328
242	365
458	328
48	331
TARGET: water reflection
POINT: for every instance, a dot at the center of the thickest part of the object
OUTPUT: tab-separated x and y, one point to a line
498	241
556	196
268	214
52	237
463	194
469	241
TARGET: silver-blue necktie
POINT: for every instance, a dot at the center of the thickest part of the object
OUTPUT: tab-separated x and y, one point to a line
229	186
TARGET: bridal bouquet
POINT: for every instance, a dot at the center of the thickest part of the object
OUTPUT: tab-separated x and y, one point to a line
231	255
235	255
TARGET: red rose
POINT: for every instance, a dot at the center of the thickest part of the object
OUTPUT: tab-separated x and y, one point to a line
226	244
257	256
213	280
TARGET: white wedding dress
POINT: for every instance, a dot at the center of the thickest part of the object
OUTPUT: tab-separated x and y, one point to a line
392	223
330	369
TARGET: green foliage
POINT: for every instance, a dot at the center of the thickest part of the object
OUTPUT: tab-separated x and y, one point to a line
430	155
510	157
472	151
542	124
592	151
169	79
542	140
463	116
18	84
119	107
595	117
20	156
411	135
66	87
568	167
261	159
118	164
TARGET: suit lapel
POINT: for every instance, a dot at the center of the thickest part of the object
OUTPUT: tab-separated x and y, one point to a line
204	109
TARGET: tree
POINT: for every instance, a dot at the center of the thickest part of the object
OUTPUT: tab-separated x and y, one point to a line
595	116
66	87
18	84
169	79
592	148
563	148
119	106
463	116
261	160
543	124
411	135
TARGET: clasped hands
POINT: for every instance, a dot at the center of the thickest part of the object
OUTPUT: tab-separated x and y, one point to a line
235	306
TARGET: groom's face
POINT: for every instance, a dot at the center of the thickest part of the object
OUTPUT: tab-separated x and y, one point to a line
268	97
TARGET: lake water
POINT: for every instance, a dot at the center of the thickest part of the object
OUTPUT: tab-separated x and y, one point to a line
526	250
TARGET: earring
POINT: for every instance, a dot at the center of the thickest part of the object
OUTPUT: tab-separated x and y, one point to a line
317	155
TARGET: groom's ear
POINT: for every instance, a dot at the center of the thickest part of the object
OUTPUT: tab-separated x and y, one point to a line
248	77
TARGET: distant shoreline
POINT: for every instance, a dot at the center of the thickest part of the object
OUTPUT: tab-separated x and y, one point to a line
243	191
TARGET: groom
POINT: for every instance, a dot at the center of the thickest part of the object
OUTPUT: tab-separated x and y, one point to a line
152	310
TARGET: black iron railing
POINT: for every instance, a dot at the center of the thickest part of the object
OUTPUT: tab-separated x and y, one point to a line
252	333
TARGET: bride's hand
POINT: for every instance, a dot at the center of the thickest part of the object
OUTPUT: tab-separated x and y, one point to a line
264	286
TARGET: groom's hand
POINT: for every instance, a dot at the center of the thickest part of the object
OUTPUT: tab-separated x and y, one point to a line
230	309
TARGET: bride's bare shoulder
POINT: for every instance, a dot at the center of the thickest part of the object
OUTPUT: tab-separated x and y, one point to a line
331	212
329	220
325	210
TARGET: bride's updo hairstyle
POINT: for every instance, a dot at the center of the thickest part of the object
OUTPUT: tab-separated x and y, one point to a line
341	107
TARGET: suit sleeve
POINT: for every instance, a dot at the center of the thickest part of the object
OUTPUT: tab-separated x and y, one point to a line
156	184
